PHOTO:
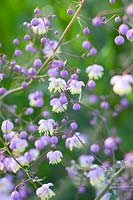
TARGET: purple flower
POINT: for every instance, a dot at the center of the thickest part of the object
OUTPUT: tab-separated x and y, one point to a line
46	126
41	26
96	176
50	46
57	85
54	157
95	71
58	106
44	192
75	86
121	84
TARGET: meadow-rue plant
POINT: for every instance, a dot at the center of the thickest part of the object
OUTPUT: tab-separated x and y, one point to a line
61	94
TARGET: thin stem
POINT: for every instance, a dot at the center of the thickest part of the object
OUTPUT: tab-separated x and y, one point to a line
109	183
49	58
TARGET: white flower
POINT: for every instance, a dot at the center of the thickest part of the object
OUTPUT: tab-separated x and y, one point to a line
96	176
57	106
18	145
54	157
57	85
95	71
46	126
45	192
75	141
121	84
75	86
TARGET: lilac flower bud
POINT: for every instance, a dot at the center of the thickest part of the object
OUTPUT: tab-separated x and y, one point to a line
104	105
112	1
123	29
86	44
29	111
37	11
129	9
27	37
81	189
124	102
119	40
31	71
76	106
39	144
86	30
129	35
34	22
24	84
54	140
17	52
95	148
117	19
31	138
69	11
23	134
64	73
37	63
91	84
16	41
74	126
7	126
2	90
110	144
92	52
97	21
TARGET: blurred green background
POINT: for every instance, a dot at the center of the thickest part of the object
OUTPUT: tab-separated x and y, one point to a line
12	15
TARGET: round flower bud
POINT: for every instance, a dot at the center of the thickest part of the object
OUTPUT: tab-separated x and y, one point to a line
2	90
64	73
119	40
23	134
91	84
36	11
117	19
123	29
24	84
94	148
27	37
34	22
86	45
86	30
97	21
37	63
112	1
74	126
54	140
104	105
129	10
76	106
70	11
129	35
7	126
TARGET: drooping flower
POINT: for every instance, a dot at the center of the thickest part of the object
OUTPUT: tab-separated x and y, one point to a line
96	176
45	192
95	71
18	145
121	84
57	85
46	126
75	86
58	106
75	141
54	157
